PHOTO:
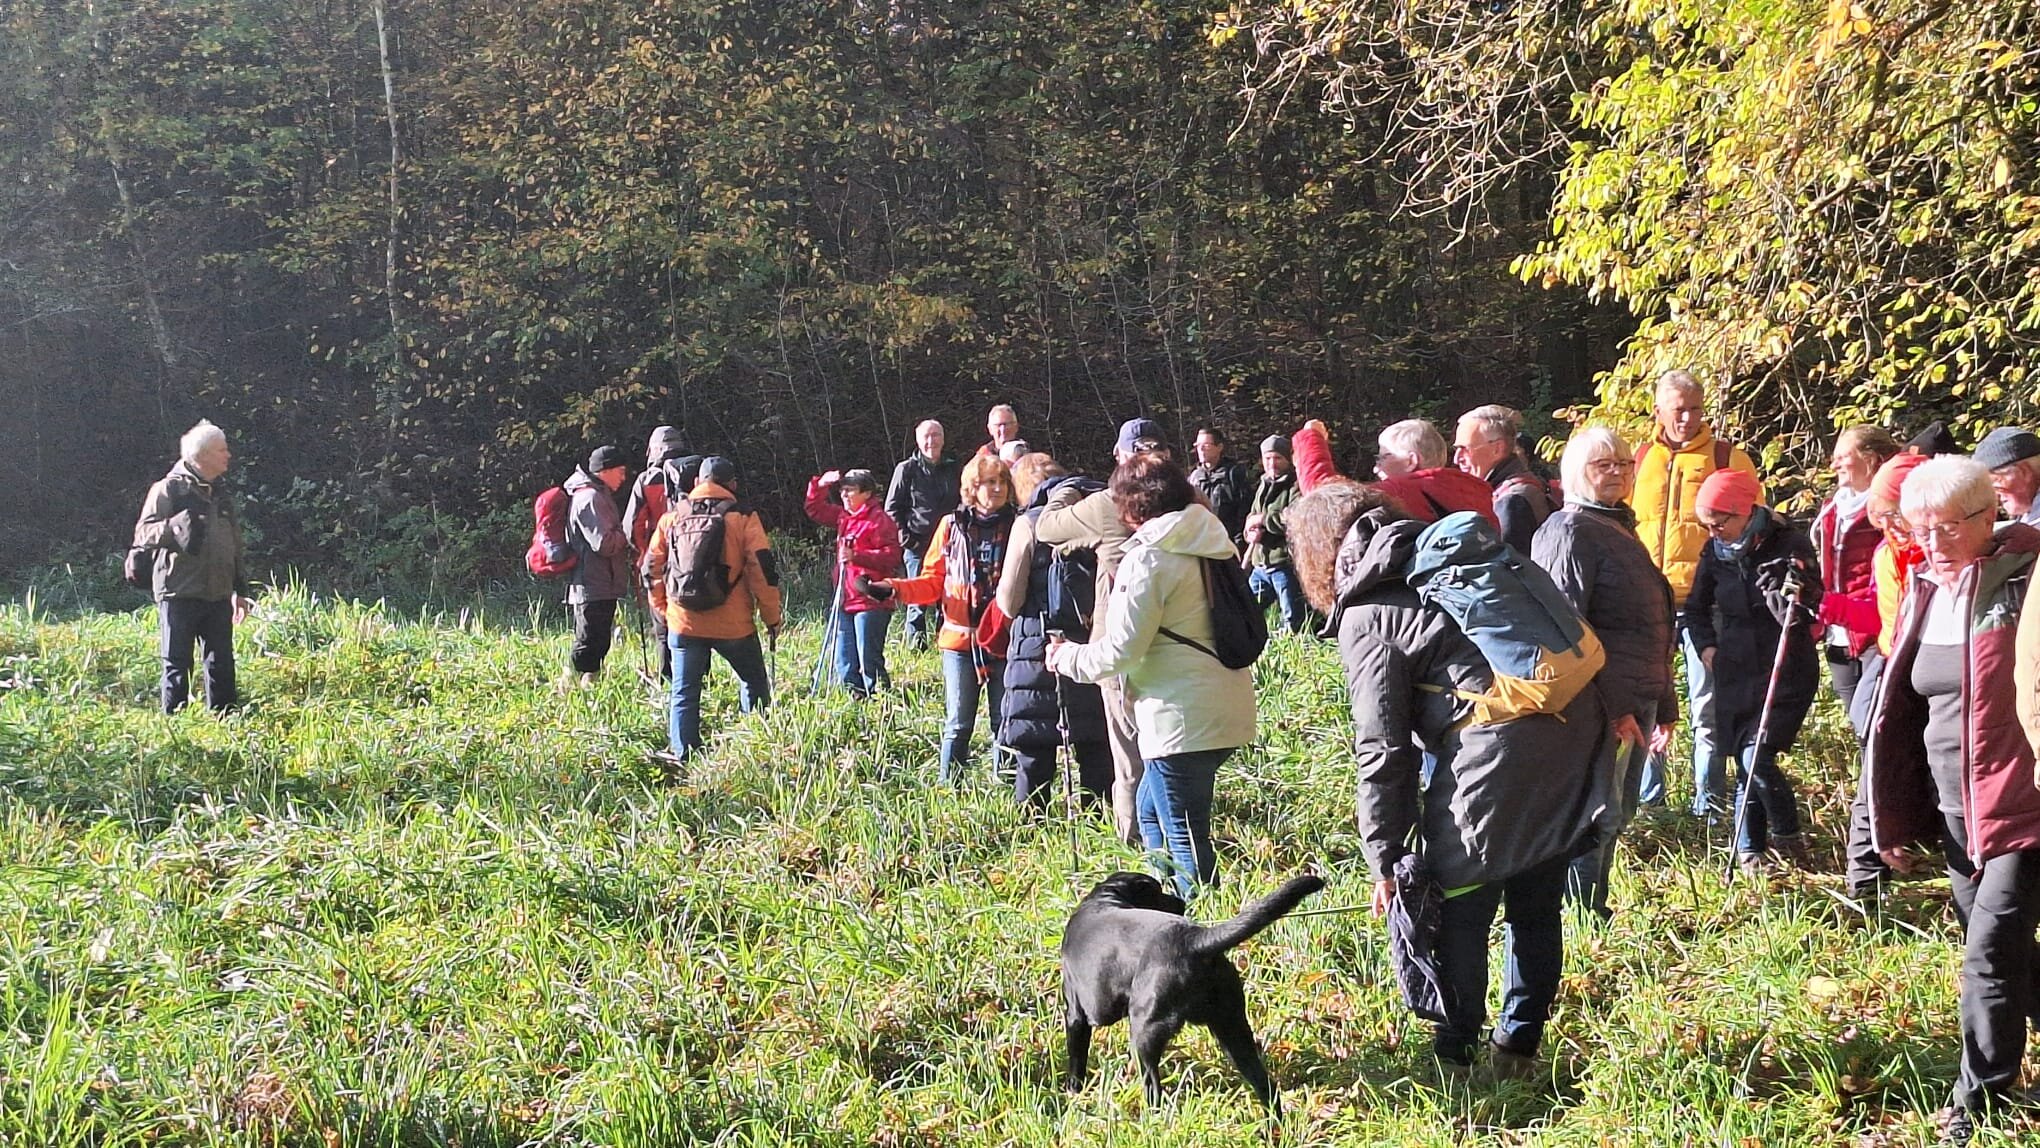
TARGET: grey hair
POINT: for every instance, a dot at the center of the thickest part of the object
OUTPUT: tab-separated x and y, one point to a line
1415	437
1682	380
925	424
1949	482
198	438
1497	421
1003	409
1586	445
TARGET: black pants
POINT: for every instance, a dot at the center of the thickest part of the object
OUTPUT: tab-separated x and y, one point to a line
1999	905
594	629
1036	769
180	621
1532	905
659	639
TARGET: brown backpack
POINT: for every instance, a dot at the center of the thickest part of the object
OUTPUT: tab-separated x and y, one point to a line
697	575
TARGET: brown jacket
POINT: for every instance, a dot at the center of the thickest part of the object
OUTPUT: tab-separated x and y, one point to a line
754	575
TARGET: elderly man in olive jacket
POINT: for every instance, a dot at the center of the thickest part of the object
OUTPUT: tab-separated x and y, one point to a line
193	541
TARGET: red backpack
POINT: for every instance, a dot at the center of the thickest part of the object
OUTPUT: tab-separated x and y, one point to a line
549	556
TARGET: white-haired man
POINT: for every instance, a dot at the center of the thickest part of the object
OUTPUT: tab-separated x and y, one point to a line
1485	447
1415	467
1002	422
924	488
198	574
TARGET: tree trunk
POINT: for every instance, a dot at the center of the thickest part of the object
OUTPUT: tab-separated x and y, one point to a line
392	396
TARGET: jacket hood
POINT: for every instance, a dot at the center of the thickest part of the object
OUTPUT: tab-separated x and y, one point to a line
182	469
1193	530
579	479
1046	490
1377	549
711	490
665	444
1620	513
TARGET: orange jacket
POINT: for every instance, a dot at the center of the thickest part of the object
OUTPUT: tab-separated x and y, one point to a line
754	574
948	578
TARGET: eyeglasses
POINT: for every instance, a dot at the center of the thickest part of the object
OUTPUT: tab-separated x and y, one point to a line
1721	525
1945	532
1889	520
1612	465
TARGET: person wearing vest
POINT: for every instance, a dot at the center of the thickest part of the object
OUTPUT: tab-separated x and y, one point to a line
1949	762
1272	576
923	489
198	571
1225	484
1076	520
1591	551
961	571
1669	471
867	547
728	629
1484	446
1757	584
650	499
1038	703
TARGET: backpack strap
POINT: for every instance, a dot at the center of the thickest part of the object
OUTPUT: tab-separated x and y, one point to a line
1190	642
1723	455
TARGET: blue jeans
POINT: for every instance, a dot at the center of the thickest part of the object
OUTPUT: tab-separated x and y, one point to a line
921	621
1587	880
1710	765
960	688
690	666
1535	944
1279	584
1764	801
860	650
1174	807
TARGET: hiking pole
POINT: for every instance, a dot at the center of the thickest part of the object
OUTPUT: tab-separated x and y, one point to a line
1748	768
1066	755
829	631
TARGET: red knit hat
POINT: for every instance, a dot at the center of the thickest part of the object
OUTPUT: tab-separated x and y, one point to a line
1729	491
1890	477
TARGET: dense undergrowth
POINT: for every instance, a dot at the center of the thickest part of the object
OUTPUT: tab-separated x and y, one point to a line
411	895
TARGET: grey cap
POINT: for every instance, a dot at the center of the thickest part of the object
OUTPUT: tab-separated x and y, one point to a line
1279	443
719	470
1133	433
2005	446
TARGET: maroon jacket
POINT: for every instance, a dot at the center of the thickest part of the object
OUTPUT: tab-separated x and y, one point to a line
867	543
1845	571
1999	803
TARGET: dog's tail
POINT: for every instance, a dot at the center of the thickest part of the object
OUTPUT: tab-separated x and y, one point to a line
1257	915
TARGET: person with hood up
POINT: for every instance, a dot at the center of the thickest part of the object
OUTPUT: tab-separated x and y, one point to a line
1592	553
601	577
1949	761
867	547
1271	575
1507	805
1191	712
1037	702
1757	583
961	571
197	569
652	494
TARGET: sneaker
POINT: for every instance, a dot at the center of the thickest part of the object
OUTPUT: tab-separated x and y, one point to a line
1792	849
1958	1126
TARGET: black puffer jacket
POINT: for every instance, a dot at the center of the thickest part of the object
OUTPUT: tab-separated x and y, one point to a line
1736	606
1592	552
1503	797
1029	720
1229	487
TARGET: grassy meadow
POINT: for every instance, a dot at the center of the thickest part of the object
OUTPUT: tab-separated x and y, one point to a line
413	896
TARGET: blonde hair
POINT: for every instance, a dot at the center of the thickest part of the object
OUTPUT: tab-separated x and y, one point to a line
983	468
1030	472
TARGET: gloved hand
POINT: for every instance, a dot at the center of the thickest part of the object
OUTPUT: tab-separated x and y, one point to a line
871	589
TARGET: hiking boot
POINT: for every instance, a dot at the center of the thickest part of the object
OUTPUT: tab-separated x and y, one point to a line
1756	866
1454	1072
1791	848
1506	1065
1958	1126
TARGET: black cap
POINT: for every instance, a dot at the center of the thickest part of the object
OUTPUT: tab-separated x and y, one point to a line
683	472
604	457
719	470
1932	441
2007	445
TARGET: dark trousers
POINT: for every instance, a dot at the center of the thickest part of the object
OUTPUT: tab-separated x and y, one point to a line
1534	945
594	629
1852	678
1036	767
1765	803
659	639
181	621
1587	877
1999	905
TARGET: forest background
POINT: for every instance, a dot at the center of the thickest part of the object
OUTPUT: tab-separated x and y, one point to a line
418	257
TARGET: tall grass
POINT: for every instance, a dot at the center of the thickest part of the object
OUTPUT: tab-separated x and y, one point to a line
411	895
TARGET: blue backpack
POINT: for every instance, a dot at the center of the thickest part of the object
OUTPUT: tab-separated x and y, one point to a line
1542	652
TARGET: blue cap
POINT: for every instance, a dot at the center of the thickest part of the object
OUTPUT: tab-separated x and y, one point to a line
1137	435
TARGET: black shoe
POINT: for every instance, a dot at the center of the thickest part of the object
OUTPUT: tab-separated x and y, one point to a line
1958	1126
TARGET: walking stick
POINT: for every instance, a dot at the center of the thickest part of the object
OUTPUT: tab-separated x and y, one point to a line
829	631
1793	590
1066	755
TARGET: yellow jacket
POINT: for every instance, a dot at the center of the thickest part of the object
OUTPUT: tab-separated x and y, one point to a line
1667	483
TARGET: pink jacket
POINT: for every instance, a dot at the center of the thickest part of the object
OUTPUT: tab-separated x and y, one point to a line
867	542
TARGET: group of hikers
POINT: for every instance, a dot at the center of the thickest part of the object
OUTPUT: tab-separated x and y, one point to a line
1093	616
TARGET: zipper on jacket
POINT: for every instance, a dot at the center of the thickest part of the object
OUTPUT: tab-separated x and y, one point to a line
1908	622
1965	601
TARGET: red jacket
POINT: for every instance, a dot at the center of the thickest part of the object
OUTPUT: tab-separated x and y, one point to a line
1428	494
1845	550
1999	803
867	542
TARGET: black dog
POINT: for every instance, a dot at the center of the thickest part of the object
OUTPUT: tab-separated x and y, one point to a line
1128	952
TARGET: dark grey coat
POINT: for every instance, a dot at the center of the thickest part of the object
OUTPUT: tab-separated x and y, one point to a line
1592	552
1504	797
595	531
191	526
